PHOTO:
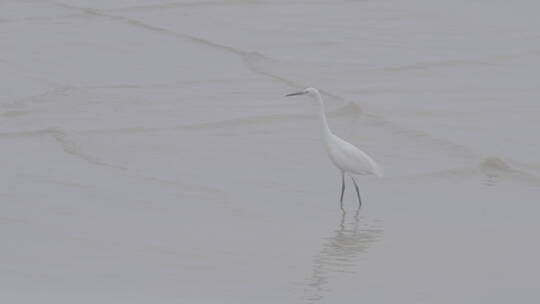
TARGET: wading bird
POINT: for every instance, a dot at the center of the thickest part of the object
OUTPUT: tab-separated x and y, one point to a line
346	157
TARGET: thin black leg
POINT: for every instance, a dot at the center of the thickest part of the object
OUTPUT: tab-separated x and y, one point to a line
342	189
357	193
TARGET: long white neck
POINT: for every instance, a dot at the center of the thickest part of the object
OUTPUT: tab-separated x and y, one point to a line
324	122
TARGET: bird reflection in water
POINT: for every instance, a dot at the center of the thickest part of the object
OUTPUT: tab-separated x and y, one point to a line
340	253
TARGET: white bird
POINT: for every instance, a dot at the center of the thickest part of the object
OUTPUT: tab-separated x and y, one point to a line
345	156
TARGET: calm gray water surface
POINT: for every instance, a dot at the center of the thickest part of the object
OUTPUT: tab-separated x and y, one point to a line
148	154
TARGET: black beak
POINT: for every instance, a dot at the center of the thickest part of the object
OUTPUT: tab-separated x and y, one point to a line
294	94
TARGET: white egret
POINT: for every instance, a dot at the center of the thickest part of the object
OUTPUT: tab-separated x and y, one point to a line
346	157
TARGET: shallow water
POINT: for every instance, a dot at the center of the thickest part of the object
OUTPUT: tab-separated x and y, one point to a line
148	153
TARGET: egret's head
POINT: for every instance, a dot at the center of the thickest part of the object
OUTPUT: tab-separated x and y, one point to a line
307	91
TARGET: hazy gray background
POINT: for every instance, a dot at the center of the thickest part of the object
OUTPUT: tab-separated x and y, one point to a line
147	154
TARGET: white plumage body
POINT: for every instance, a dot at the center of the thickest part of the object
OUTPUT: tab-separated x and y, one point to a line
345	156
349	158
